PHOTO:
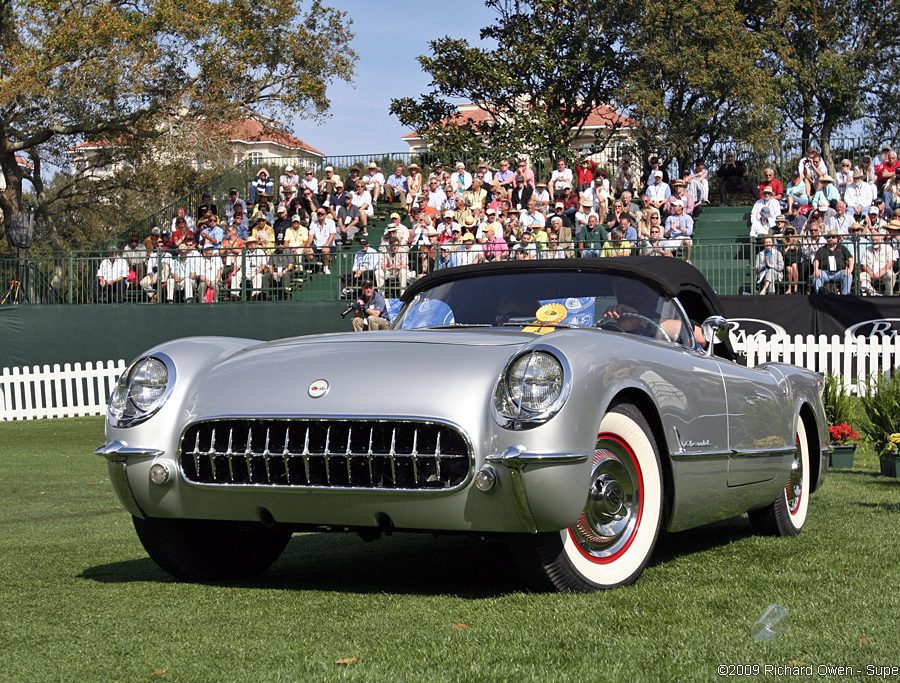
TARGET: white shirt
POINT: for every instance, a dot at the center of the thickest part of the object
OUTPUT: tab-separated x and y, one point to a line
759	225
861	196
209	268
878	259
561	179
113	269
321	231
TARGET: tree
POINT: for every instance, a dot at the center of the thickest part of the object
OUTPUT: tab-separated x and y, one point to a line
129	71
696	79
548	64
830	59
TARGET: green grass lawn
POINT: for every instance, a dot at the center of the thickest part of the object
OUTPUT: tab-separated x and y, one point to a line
80	601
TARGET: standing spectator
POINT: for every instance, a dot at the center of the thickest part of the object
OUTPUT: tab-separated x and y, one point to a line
262	183
833	263
159	263
181	276
288	185
112	277
397	186
877	266
135	254
733	178
769	266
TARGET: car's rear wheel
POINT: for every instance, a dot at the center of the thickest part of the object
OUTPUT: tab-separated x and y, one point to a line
787	514
612	540
208	550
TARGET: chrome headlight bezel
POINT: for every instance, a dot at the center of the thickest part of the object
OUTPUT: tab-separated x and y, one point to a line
512	414
123	410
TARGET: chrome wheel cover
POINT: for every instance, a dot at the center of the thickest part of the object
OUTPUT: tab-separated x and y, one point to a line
612	512
793	489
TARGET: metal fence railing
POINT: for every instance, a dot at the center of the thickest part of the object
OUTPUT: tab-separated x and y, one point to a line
73	277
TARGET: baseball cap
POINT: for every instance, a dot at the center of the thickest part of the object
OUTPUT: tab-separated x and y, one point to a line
395	215
873	209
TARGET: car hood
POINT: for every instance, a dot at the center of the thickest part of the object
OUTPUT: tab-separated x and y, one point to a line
442	374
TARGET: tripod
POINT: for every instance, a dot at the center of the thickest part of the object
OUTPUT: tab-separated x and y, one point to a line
13	294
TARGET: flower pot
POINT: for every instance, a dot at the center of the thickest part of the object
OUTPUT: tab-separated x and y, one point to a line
842	456
890	465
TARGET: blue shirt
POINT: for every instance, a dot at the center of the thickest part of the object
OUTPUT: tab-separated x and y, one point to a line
378	303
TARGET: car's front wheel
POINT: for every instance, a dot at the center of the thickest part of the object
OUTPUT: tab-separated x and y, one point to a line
208	550
613	538
787	514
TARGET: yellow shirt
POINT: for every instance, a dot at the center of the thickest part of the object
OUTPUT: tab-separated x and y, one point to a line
610	248
296	237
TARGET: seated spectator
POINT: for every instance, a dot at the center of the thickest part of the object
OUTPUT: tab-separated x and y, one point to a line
877	274
494	247
261	184
446	256
262	208
181	276
884	172
833	263
769	180
262	227
826	191
158	266
564	234
629	231
234	201
135	255
560	179
698	182
650	218
288	185
769	266
763	214
859	195
680	194
251	267
654	245
796	267
626	177
678	230
393	265
796	193
616	245
211	233
732	176
843	176
841	221
587	171
553	250
469	253
373	179
280	269
811	168
152	239
241	222
366	262
362	200
112	277
310	182
657	190
323	233
397	185
328	185
209	273
592	237
460	179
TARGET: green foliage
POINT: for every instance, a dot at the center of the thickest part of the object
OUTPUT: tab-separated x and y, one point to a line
881	407
543	66
127	73
837	402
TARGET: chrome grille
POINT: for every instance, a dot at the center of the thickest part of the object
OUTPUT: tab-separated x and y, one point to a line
359	454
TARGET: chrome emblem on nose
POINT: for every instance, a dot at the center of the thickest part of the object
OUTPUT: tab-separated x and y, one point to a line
318	388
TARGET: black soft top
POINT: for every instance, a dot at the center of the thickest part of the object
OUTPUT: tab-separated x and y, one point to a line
672	276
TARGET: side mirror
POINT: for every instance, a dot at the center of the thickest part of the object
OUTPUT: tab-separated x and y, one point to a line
715	329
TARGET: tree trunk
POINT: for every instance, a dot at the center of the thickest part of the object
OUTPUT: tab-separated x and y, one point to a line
826	145
11	196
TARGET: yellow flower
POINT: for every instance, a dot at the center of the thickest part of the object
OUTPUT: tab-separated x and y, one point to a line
894	438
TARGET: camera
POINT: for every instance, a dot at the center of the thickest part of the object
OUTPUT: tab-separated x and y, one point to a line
354	307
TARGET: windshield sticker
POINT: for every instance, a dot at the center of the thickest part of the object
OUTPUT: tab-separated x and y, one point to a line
551	314
580	311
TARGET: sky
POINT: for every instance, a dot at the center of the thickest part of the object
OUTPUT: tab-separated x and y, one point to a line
389	37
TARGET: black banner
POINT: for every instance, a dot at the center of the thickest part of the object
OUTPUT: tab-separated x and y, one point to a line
826	314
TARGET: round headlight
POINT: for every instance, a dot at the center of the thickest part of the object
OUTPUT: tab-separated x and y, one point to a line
148	383
141	390
532	389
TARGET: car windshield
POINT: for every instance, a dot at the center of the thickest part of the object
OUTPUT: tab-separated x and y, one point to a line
567	298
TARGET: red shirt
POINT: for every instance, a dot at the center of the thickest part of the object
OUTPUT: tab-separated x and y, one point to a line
776	186
880	169
586	175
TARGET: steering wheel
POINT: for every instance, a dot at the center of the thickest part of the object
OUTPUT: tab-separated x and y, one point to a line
655	325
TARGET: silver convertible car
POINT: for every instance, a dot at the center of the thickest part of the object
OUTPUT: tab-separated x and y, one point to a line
577	406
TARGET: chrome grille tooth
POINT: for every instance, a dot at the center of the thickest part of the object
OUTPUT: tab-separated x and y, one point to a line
196	453
286	455
414	454
349	455
392	454
437	455
266	456
248	451
369	456
327	455
229	454
212	453
306	456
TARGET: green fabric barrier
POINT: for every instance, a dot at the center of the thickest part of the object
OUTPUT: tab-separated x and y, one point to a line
47	334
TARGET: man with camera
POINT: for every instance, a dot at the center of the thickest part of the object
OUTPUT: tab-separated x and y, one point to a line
370	310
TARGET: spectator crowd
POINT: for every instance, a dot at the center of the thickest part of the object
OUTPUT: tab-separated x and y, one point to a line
256	245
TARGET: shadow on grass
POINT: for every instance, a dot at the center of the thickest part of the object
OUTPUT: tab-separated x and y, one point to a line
409	563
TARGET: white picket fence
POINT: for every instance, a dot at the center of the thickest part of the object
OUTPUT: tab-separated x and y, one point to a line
67	390
71	390
855	359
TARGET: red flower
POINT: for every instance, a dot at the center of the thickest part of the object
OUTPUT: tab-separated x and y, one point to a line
843	433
